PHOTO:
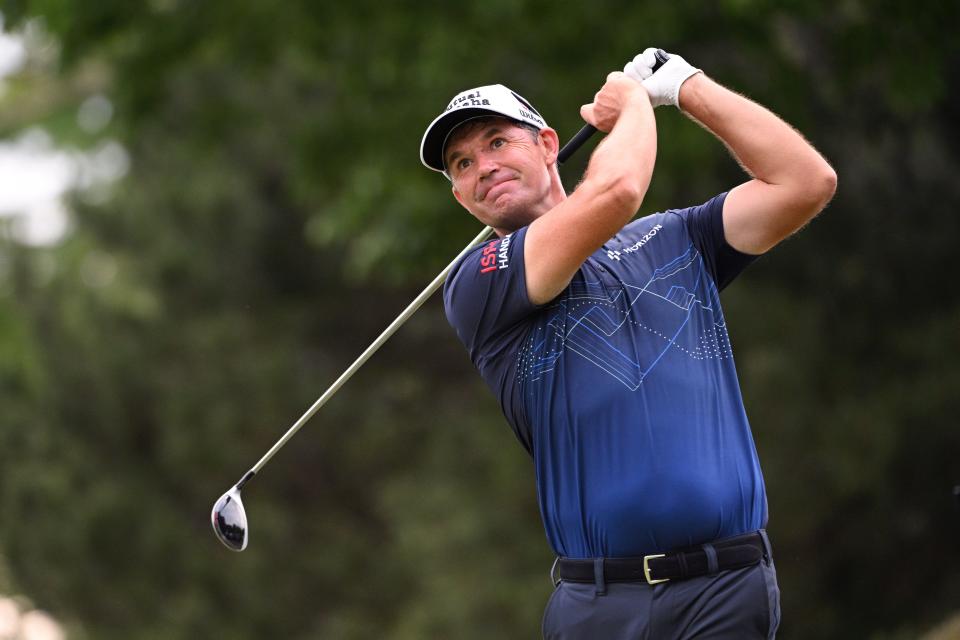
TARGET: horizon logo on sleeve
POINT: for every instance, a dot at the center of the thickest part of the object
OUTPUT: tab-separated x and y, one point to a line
496	255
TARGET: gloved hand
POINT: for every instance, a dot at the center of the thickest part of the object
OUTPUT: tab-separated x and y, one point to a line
664	85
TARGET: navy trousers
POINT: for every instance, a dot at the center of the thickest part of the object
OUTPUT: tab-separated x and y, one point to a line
738	604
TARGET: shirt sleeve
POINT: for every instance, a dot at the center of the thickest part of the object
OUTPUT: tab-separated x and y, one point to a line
705	225
485	296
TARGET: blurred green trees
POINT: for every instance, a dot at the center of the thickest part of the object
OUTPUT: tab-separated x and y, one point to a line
276	217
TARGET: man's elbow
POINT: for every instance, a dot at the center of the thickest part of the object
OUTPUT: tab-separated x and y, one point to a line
823	187
812	193
806	200
796	205
626	193
818	185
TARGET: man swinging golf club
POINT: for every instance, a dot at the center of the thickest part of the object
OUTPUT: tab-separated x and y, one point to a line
605	344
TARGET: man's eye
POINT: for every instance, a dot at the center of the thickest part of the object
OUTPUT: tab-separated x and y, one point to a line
462	164
497	143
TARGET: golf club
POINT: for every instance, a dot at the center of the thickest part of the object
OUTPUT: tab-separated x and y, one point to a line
228	516
588	130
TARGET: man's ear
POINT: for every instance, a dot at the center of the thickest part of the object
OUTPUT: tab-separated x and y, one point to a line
551	142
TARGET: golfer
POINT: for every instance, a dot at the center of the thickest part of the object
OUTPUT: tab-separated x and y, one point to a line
605	343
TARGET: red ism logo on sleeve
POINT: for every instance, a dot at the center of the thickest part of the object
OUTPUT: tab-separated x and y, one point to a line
496	255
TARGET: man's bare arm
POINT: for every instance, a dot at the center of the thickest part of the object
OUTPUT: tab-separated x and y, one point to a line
791	182
612	190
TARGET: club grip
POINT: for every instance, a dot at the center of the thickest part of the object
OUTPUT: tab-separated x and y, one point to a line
588	130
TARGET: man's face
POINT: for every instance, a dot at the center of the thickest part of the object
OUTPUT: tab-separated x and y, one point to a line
500	172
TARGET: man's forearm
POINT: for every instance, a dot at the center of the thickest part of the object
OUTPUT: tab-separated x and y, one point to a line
628	152
558	242
769	148
791	181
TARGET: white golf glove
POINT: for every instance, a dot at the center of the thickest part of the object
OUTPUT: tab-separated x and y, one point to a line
664	85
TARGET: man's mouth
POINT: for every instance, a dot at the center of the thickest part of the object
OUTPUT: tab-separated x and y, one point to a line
494	188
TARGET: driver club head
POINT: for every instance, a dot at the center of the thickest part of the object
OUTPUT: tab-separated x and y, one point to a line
230	520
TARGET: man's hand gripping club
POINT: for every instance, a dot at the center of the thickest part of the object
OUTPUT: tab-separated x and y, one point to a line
610	101
612	189
663	86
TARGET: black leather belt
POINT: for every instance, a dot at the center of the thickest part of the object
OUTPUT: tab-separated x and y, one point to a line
729	553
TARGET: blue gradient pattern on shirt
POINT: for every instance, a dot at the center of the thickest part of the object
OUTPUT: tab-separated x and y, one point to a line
624	387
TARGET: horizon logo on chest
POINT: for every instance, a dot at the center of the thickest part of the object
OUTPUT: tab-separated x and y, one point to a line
616	254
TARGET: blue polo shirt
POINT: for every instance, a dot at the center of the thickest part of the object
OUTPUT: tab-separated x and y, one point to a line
623	388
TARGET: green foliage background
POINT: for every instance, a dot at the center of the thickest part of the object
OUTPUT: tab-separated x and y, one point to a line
276	218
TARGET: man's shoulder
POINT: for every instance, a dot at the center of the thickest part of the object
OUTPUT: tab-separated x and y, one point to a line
485	293
708	213
469	257
657	222
488	258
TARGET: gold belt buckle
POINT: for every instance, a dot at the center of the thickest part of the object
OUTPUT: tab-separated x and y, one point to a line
646	568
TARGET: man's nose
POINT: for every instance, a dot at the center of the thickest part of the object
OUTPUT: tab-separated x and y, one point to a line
486	164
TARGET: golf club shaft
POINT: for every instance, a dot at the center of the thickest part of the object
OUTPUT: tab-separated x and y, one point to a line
352	369
568	149
588	130
575	143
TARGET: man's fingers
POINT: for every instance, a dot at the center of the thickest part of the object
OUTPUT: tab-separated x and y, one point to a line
641	67
586	112
637	72
649	57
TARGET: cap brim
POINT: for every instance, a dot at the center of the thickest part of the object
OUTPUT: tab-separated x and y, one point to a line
434	140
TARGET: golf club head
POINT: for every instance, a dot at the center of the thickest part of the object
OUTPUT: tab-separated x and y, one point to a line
230	520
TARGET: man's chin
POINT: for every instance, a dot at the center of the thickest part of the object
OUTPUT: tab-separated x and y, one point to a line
510	221
510	215
506	214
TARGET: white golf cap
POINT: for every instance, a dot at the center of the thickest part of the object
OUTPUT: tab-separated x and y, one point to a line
481	102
